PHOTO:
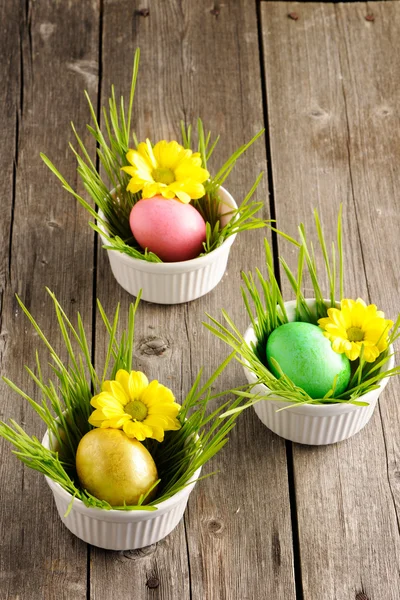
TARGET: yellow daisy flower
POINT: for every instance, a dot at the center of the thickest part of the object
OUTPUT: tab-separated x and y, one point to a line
167	169
142	409
354	325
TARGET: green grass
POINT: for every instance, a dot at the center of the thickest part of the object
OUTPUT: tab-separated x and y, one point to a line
108	192
64	408
265	307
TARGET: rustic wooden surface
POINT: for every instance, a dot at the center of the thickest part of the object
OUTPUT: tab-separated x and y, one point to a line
332	116
280	521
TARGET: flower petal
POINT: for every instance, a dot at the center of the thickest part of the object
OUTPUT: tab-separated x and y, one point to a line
136	429
152	189
110	412
138	384
339	345
166	410
150	154
323	322
157	433
105	399
122	377
358	313
157	394
130	170
336	331
193	189
187	170
117	391
135	186
353	350
371	353
169	154
96	418
117	422
183	196
168	193
145	150
139	159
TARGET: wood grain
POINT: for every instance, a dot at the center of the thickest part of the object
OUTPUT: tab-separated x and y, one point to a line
50	245
333	104
332	107
236	541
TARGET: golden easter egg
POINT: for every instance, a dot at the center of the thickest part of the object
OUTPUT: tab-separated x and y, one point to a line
115	468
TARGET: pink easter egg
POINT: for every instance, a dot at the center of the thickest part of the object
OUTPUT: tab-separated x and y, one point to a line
172	230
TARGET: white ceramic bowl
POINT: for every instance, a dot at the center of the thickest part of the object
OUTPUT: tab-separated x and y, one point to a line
313	424
173	283
118	529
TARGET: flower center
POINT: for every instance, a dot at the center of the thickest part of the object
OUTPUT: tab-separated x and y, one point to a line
355	334
137	410
163	176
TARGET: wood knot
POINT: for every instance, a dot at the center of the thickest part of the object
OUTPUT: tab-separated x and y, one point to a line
361	596
46	30
140	553
215	526
143	12
370	17
153	346
319	114
215	11
383	111
153	582
294	16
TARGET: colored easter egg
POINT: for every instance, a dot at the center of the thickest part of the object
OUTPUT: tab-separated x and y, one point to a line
115	468
305	355
172	230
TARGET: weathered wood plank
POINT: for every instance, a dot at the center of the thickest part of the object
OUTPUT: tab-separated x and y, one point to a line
371	3
52	246
237	542
367	56
9	108
332	107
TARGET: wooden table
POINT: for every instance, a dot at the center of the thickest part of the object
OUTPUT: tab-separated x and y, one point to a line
280	521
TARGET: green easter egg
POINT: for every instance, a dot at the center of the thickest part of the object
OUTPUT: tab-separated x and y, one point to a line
305	355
